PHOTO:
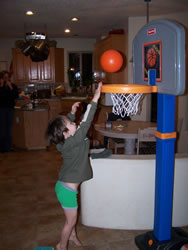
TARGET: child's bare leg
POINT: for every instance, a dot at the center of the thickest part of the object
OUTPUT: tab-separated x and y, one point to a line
70	222
74	238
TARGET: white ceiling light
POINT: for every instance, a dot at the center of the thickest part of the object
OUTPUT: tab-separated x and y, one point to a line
29	13
67	30
75	19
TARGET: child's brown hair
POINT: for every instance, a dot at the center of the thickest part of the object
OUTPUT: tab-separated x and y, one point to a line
55	130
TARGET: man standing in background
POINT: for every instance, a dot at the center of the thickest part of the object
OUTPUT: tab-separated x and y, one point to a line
8	95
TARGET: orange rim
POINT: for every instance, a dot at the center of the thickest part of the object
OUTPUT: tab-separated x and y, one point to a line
128	88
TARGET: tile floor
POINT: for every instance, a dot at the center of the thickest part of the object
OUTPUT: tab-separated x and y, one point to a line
30	215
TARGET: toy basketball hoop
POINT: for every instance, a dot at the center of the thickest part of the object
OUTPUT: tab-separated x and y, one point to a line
126	98
158	66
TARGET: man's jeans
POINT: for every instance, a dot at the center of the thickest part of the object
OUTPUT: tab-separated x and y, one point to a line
6	119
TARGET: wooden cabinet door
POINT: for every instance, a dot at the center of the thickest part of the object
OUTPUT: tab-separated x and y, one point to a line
20	64
48	68
34	71
25	71
48	71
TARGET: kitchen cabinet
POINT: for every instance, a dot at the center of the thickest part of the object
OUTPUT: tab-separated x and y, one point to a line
54	107
115	42
48	71
20	66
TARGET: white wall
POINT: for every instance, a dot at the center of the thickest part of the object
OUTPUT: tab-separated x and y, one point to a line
5	50
121	193
69	44
134	25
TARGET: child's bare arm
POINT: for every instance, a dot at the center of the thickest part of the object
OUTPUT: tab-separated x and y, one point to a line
81	132
75	107
97	93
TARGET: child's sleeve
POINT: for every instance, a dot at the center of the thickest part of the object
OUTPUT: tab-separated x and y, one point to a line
85	124
71	117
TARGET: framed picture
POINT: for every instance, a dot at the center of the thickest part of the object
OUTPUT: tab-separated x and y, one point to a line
152	59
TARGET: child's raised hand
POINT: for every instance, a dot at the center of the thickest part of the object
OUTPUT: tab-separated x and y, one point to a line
97	92
75	107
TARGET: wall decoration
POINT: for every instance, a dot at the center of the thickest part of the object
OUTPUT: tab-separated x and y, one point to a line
152	59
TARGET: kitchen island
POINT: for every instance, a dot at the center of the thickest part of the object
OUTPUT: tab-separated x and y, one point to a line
29	128
30	124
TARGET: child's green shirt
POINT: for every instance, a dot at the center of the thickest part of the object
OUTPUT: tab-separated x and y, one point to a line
76	167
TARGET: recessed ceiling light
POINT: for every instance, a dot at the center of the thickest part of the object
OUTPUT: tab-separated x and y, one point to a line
74	19
29	13
67	30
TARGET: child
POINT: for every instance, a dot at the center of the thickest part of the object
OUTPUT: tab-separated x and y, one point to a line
73	144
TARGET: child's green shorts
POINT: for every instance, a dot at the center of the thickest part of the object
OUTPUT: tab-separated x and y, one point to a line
66	195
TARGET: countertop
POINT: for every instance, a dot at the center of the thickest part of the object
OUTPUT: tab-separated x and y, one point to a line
81	98
36	109
43	105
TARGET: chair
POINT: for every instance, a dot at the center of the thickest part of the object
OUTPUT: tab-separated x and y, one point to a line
118	143
144	136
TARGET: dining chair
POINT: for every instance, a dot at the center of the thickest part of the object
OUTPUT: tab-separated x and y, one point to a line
145	137
118	143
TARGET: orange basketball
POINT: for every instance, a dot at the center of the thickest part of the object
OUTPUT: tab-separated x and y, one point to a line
111	61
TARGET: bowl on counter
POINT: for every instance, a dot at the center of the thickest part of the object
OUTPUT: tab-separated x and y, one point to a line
28	106
43	93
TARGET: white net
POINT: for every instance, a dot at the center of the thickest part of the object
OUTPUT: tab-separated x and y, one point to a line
126	104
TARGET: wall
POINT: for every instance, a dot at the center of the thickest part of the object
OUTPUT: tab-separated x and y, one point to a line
5	50
121	194
134	25
69	44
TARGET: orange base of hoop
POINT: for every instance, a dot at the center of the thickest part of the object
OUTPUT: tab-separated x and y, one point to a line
128	88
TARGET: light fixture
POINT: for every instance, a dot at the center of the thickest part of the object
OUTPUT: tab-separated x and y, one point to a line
147	10
147	19
35	35
75	19
29	13
35	46
67	30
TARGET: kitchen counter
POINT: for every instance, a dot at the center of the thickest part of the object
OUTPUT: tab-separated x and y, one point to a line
37	109
76	98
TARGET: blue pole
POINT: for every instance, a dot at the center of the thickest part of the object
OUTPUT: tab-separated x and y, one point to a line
164	177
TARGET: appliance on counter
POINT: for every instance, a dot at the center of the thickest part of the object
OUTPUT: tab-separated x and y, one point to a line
43	93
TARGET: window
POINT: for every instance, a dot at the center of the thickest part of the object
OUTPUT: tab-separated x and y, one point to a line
80	72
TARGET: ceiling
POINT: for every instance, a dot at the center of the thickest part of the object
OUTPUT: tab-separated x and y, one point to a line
97	17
